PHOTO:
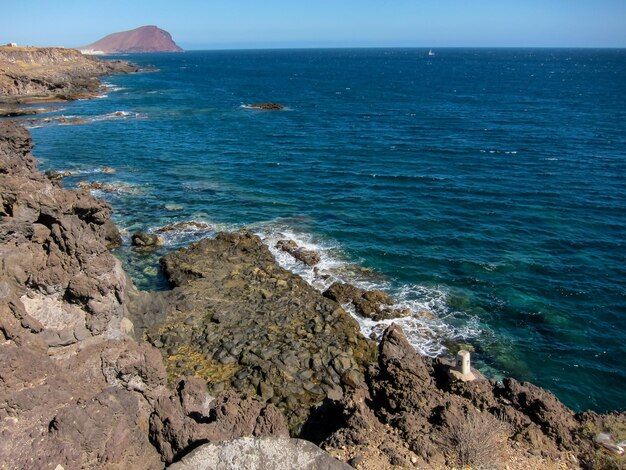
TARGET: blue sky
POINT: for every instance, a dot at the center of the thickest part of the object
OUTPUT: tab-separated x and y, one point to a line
208	24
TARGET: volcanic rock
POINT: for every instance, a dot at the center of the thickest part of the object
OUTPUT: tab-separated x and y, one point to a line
266	106
240	321
145	240
189	225
142	39
308	257
32	74
374	304
412	411
76	391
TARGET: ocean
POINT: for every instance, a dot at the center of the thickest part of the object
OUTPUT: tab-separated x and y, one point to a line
484	189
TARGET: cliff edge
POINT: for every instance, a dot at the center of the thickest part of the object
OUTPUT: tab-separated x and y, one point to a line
41	74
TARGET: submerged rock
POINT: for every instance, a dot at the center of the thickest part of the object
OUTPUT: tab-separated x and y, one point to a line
145	240
266	106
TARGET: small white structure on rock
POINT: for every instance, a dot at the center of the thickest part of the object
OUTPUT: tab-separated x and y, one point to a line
462	370
12	44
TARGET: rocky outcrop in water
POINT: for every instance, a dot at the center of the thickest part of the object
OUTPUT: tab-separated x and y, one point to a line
241	322
308	257
33	74
75	389
373	304
266	106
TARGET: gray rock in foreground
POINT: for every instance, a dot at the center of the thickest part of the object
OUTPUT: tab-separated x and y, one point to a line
259	454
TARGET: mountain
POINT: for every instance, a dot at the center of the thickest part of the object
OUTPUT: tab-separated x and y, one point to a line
143	39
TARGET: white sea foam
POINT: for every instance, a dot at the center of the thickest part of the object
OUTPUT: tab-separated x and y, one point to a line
426	326
496	151
118	115
110	87
190	230
116	187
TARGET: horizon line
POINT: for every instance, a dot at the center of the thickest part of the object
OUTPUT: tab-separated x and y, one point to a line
273	48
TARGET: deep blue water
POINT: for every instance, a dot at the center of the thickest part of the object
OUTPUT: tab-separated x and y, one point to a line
485	186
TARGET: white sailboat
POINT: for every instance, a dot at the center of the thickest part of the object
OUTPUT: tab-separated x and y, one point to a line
431	53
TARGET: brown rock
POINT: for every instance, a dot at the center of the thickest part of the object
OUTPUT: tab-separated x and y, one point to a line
146	240
266	106
374	304
280	341
188	225
143	39
32	74
308	257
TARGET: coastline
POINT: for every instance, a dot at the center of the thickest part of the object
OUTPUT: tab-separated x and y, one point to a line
395	395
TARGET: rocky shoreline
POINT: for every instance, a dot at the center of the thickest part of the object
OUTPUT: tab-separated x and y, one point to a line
240	358
43	75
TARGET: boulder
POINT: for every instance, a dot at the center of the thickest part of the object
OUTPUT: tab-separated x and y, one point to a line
259	454
241	322
145	240
373	304
308	257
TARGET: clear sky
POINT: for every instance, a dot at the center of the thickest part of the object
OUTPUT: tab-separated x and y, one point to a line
212	24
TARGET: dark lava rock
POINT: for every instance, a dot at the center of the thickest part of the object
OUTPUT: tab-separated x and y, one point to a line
145	240
260	454
308	257
183	226
408	407
266	106
15	112
257	328
374	304
76	391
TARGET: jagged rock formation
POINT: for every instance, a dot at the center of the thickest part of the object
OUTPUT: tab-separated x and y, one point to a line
32	74
409	412
143	39
75	389
240	321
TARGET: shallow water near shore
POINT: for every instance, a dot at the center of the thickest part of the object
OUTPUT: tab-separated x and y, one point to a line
484	189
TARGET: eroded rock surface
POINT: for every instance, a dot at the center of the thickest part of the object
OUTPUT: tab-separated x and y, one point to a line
409	413
240	321
374	304
29	74
75	389
308	257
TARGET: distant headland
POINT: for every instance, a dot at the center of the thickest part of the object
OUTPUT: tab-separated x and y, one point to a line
139	40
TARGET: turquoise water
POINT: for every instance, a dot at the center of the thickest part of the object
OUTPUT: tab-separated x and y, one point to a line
485	189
